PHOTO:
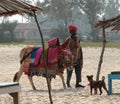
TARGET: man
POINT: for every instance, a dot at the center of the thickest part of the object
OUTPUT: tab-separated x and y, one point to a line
73	44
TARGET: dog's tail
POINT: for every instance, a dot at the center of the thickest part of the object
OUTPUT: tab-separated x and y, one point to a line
103	78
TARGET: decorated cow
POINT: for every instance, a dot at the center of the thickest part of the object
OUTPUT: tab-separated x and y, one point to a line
53	63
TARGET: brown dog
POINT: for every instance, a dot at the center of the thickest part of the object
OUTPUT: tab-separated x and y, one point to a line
97	85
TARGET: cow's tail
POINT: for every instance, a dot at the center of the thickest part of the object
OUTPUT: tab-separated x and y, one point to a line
103	78
23	56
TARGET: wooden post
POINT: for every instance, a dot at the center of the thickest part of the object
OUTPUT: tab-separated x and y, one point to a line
15	96
101	56
49	88
11	88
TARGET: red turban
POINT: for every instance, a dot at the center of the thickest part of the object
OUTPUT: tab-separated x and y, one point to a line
72	27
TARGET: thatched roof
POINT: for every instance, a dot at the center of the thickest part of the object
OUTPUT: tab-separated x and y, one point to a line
113	23
11	7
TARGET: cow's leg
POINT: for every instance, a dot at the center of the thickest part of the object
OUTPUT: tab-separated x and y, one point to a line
18	75
31	82
62	78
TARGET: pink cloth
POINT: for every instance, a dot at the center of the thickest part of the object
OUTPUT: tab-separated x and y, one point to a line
52	55
38	55
52	42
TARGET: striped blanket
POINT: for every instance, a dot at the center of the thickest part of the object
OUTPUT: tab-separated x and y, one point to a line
34	55
35	65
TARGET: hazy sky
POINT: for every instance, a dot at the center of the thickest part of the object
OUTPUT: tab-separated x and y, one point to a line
19	18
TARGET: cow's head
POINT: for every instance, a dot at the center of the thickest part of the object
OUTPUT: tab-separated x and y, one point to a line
65	59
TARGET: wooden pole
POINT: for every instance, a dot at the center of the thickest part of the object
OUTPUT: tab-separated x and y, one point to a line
102	52
49	89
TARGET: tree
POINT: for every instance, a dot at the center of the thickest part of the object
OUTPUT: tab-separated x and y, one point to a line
111	8
60	13
80	12
91	8
7	30
63	11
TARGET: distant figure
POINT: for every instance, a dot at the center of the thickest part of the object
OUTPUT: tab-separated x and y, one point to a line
72	43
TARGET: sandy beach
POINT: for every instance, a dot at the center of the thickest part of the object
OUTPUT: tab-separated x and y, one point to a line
9	65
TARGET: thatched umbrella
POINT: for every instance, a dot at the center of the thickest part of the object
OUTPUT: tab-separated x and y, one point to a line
12	7
114	24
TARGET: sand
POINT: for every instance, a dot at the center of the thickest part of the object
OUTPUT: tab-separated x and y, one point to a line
9	65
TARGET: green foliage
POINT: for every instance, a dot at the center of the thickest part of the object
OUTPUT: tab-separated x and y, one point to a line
112	8
84	13
59	9
99	44
60	32
69	11
91	44
7	31
83	44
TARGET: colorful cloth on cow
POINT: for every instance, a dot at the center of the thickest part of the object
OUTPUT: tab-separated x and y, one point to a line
39	69
37	65
33	55
53	50
53	42
38	56
52	55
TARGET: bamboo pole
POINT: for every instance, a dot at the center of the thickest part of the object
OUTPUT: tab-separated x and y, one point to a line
49	89
102	52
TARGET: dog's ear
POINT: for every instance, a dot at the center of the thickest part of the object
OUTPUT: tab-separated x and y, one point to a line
87	76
